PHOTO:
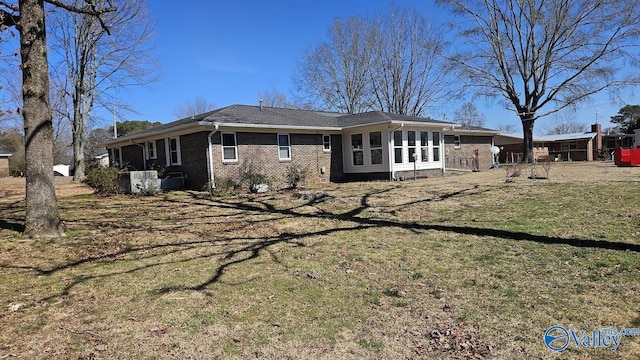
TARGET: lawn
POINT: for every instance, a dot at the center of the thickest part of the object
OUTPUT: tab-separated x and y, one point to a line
463	266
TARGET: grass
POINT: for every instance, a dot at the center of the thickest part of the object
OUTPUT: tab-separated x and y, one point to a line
449	267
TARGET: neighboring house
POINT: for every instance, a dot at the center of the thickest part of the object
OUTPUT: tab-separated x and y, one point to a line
582	146
102	160
225	143
5	154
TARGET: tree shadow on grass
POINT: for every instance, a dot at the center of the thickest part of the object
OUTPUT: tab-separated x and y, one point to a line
229	251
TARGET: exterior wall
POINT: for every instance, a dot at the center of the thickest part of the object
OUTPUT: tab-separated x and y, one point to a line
194	158
132	157
583	150
259	152
4	166
462	158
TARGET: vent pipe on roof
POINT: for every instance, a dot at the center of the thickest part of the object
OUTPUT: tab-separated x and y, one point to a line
260	100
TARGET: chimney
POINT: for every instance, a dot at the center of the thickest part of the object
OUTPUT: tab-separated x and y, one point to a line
597	146
260	104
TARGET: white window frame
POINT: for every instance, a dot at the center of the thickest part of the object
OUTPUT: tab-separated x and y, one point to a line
424	146
326	143
436	148
456	141
413	147
378	148
397	146
151	150
283	147
355	150
117	160
234	146
169	151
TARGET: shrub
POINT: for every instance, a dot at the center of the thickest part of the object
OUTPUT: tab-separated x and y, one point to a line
255	180
104	180
222	187
296	176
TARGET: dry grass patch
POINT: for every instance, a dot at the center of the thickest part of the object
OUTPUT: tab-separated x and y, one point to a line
463	266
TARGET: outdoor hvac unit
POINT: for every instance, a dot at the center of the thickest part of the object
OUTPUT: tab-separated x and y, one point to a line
134	182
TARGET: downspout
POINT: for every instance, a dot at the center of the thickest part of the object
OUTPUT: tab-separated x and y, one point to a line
392	173
144	155
210	152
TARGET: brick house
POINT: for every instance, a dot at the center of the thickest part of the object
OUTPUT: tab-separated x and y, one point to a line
581	146
225	143
5	154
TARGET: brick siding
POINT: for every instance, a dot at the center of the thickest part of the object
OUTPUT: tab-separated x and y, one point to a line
462	158
4	167
258	152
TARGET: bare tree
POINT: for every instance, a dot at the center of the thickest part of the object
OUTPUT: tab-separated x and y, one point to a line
507	128
468	115
408	74
335	75
41	212
544	56
191	108
96	62
275	98
565	123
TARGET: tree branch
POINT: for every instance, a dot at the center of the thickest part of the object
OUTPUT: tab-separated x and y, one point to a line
7	19
89	9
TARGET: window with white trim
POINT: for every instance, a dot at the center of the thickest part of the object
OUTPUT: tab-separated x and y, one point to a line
375	147
424	146
150	147
357	149
173	151
456	141
411	143
436	146
229	147
397	146
326	143
284	147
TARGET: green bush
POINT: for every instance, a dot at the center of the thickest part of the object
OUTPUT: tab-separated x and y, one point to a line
104	180
296	176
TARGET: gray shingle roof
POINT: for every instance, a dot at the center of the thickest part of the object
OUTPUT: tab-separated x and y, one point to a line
248	115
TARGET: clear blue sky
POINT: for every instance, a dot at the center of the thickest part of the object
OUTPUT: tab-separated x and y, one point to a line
230	51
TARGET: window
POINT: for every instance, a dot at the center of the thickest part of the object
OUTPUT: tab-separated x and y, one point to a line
356	148
173	151
397	147
411	141
150	146
284	147
568	145
326	143
436	146
375	146
229	147
424	146
116	159
456	141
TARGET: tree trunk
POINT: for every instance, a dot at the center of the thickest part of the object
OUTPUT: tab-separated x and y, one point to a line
79	128
42	219
527	150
